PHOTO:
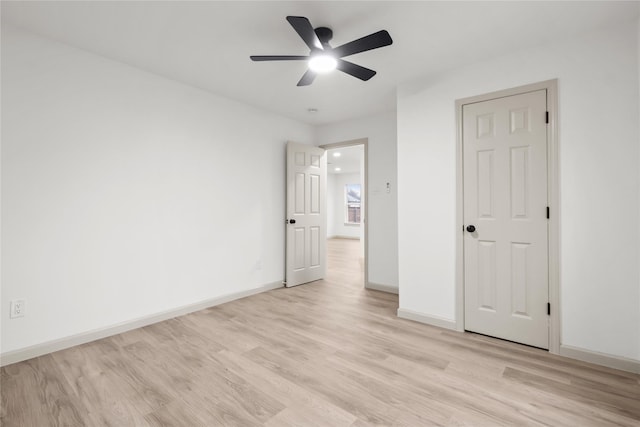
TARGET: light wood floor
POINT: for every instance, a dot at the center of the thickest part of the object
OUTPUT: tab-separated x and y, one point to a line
324	354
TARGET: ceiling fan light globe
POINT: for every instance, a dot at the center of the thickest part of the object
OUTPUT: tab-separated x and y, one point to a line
322	63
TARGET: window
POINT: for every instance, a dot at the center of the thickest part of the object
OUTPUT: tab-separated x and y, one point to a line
352	203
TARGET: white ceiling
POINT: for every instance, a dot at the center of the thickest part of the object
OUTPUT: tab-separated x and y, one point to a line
207	43
348	160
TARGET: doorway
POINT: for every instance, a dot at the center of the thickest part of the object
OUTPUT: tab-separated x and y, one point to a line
347	212
507	286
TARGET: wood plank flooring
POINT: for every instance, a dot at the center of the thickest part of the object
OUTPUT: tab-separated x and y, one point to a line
329	353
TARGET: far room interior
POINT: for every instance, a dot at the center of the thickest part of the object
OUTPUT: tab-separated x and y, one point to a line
176	220
346	205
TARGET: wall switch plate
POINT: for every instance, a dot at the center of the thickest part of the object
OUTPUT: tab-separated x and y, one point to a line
17	308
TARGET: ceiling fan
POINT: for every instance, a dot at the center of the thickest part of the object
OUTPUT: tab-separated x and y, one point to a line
323	57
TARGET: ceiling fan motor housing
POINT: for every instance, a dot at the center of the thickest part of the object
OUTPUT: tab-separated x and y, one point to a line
324	34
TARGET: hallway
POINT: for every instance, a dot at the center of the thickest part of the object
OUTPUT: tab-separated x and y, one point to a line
344	264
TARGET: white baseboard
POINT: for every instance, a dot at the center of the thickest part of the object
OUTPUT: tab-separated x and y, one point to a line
382	288
428	319
603	359
338	236
30	352
610	361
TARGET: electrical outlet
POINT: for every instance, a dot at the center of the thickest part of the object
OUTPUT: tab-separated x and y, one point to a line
17	308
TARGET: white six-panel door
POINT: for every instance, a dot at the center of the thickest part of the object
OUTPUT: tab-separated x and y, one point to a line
306	214
505	199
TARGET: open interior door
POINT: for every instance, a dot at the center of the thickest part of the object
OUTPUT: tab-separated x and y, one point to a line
306	214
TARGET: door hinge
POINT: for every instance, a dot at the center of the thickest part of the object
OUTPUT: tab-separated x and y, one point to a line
548	309
547	212
546	117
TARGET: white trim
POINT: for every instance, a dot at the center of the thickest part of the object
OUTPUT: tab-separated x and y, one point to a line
339	236
428	319
553	194
382	288
459	242
551	87
608	360
96	334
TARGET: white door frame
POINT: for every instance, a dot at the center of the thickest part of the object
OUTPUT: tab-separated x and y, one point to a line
364	142
553	199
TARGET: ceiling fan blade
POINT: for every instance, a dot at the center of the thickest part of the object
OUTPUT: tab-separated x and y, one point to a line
355	70
305	30
307	78
372	41
278	57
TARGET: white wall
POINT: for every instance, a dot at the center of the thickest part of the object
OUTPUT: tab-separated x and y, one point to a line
599	188
638	46
382	216
335	207
125	194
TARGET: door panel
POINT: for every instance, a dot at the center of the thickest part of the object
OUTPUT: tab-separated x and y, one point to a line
315	246
487	275
505	198
298	248
519	182
299	194
485	183
519	280
314	194
306	214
